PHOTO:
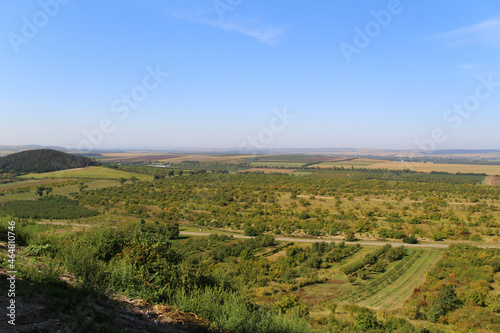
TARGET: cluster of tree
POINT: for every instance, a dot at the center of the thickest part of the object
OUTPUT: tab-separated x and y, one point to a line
42	160
244	249
52	207
254	202
38	189
444	160
387	251
411	175
458	291
391	233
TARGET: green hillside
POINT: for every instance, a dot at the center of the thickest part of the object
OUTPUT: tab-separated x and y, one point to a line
90	172
42	160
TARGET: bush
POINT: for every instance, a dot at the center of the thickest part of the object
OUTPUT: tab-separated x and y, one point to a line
410	239
396	253
349	236
47	208
365	321
251	231
290	303
231	312
447	301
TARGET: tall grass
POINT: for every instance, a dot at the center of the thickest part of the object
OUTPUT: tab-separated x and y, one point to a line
230	311
143	266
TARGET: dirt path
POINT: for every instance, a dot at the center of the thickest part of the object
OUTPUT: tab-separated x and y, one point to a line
293	239
310	240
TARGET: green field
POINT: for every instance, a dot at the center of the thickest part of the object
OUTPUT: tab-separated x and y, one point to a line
393	295
277	164
62	190
26	183
355	162
386	291
89	172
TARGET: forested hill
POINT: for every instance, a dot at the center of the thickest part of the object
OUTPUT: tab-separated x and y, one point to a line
42	160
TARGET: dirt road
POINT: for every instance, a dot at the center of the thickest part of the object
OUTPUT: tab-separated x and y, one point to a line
310	240
305	240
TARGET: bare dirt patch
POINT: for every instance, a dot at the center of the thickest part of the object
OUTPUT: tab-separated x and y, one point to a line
321	292
44	308
493	180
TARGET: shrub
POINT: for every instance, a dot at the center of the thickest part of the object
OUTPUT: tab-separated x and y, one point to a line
232	312
410	239
349	236
447	301
251	231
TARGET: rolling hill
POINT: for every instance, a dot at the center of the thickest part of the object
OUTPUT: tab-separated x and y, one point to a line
42	160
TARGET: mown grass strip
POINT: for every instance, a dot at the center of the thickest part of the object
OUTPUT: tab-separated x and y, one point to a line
394	295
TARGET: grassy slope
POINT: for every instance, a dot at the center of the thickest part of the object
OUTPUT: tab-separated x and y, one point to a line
395	294
27	183
89	172
64	190
389	296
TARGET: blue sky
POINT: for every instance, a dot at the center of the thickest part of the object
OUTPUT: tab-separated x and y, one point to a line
377	74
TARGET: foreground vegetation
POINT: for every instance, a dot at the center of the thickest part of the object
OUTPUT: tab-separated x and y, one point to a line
215	277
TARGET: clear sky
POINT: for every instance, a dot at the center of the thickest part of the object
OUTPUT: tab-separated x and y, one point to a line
230	73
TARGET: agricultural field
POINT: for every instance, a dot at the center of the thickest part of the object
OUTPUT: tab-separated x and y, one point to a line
414	166
264	164
391	290
387	288
297	158
268	170
169	158
358	162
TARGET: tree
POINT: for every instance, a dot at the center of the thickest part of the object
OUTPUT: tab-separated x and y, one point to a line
410	239
290	303
133	179
365	321
122	181
82	186
349	236
39	190
251	231
48	190
447	301
172	230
